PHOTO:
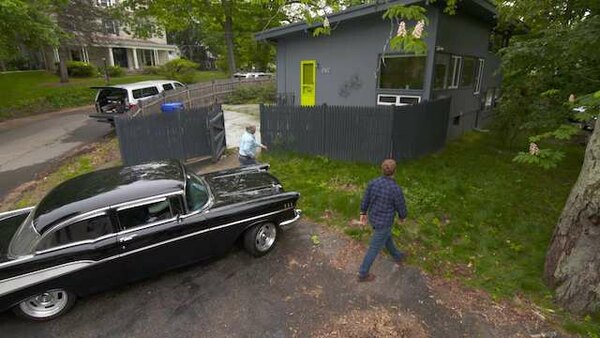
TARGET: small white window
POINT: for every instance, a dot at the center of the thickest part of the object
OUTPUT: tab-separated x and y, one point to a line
456	69
479	76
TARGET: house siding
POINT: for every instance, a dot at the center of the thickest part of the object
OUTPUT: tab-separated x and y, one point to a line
466	36
347	60
347	63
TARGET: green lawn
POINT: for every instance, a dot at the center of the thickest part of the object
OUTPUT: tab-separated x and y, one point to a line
29	93
473	213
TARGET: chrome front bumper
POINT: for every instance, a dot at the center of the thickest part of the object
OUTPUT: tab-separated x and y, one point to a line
288	224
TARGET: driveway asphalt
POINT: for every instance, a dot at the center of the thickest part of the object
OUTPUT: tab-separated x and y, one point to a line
29	146
298	290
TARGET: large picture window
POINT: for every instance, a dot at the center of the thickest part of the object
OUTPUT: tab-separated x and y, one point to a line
402	72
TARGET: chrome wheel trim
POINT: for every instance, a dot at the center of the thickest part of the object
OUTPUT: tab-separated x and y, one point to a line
265	237
46	304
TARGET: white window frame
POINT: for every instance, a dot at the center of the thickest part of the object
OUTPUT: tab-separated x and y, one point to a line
106	3
398	97
479	79
457	62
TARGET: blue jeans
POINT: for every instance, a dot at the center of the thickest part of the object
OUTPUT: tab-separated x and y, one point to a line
380	238
246	160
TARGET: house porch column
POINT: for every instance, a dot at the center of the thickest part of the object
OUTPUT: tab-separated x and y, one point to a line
156	60
84	55
136	64
111	58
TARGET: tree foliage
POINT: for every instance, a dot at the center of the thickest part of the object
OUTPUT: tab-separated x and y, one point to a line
219	23
541	69
26	23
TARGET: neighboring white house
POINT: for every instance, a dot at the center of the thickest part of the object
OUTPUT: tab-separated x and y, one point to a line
118	49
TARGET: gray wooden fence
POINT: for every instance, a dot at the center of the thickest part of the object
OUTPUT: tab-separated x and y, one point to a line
198	95
186	134
362	134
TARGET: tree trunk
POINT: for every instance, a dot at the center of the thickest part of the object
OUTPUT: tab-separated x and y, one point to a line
228	29
62	64
573	260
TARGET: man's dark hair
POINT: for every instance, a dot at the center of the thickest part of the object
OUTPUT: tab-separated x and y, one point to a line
388	167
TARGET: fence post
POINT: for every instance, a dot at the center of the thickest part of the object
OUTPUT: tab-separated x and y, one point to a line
141	108
189	98
213	91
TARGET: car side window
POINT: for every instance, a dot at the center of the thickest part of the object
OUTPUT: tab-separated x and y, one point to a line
178	85
144	214
144	92
196	193
167	86
88	229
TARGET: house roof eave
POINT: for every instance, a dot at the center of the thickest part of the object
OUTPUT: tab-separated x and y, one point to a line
350	13
357	11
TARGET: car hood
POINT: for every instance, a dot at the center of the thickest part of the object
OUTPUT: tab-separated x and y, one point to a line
242	185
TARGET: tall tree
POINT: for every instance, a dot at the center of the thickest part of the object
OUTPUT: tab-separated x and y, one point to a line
227	25
573	259
81	23
557	58
26	22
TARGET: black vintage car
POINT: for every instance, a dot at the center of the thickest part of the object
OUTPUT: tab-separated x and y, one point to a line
122	224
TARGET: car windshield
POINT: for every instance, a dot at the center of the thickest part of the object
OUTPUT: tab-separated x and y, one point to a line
196	193
25	239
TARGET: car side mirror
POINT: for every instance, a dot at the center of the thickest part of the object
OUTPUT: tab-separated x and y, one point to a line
178	218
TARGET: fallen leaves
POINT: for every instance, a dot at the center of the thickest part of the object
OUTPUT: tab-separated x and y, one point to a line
374	322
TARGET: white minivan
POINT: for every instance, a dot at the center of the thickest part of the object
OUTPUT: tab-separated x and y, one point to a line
120	99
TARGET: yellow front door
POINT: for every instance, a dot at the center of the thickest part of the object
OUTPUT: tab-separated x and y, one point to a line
308	77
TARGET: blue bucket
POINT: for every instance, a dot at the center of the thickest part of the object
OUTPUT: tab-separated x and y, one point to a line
170	107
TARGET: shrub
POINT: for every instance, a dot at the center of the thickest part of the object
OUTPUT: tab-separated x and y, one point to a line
115	71
253	94
152	70
81	69
181	70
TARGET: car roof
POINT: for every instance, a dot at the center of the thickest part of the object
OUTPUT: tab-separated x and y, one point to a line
106	188
141	84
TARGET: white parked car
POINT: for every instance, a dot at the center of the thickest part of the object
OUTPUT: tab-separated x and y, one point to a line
120	99
252	75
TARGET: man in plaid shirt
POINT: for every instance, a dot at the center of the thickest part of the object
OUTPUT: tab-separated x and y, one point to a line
382	200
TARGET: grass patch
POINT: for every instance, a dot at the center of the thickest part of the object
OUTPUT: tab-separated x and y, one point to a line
96	156
34	92
469	205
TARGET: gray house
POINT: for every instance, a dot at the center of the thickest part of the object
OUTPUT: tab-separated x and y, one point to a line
349	67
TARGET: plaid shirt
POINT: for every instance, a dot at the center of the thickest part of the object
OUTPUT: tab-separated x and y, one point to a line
382	200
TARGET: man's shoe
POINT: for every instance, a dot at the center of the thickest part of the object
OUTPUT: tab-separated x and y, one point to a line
400	262
368	278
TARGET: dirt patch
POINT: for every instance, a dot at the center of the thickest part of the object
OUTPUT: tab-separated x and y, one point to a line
229	160
453	295
348	256
374	322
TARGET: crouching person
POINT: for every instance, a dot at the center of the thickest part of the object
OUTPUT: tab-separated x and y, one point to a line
248	146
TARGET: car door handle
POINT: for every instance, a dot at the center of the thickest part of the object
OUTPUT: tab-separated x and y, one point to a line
126	238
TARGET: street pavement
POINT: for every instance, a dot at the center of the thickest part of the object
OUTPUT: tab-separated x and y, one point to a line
30	146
